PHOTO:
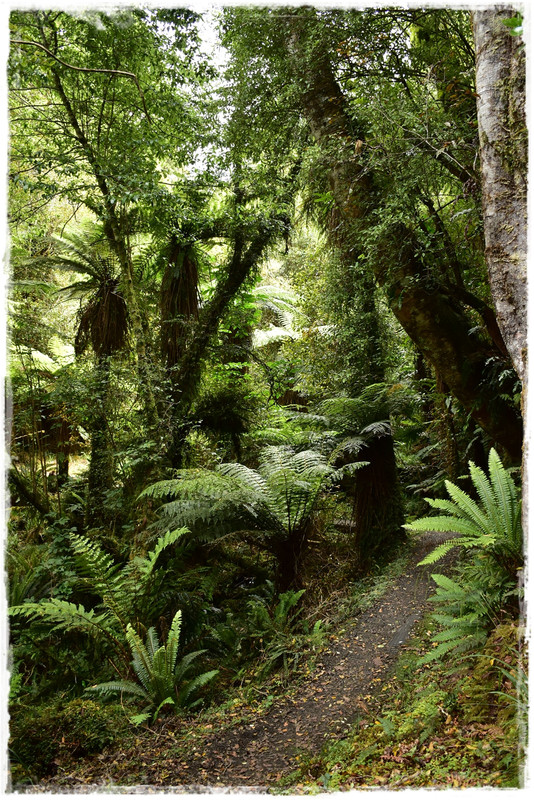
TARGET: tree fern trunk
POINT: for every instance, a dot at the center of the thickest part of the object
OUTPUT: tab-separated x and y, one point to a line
100	477
378	509
289	555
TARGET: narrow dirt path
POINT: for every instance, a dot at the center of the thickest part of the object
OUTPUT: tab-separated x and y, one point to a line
256	754
263	751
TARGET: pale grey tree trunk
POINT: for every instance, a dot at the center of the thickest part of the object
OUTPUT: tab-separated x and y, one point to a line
500	84
501	109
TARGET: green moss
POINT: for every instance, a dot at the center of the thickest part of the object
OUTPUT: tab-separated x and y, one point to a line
40	734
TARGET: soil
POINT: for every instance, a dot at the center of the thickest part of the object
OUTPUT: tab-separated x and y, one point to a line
255	754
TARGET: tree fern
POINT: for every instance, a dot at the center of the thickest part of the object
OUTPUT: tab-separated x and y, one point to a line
272	506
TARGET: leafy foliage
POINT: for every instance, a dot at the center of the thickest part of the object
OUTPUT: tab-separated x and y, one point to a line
271	507
125	592
463	618
78	727
488	583
279	632
162	678
493	524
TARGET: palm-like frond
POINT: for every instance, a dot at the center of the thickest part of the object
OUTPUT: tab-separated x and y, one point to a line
493	524
103	315
273	505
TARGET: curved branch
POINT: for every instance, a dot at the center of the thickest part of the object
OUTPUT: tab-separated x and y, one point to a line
101	70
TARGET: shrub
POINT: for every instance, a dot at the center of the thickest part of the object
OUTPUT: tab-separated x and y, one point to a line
487	587
492	525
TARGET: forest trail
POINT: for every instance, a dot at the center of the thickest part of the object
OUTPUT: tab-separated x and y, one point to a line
259	753
256	754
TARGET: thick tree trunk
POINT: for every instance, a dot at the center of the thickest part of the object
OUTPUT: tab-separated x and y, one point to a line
500	83
501	110
378	508
431	316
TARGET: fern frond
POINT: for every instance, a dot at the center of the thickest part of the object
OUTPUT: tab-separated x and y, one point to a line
486	494
146	565
114	687
171	652
444	582
160	490
244	475
103	576
468	508
152	642
184	665
503	487
142	662
445	525
460	645
193	685
64	616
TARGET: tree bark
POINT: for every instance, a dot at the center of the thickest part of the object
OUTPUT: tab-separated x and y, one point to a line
378	508
189	367
501	111
501	103
431	316
100	474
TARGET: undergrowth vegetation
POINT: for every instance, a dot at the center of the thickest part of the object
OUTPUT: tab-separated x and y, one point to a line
251	336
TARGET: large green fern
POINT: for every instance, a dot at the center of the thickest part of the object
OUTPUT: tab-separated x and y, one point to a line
461	617
487	585
123	592
271	507
492	524
163	680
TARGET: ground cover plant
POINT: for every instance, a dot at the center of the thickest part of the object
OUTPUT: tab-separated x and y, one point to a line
256	325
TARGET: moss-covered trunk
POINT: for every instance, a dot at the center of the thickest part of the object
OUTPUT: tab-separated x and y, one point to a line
433	318
501	110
